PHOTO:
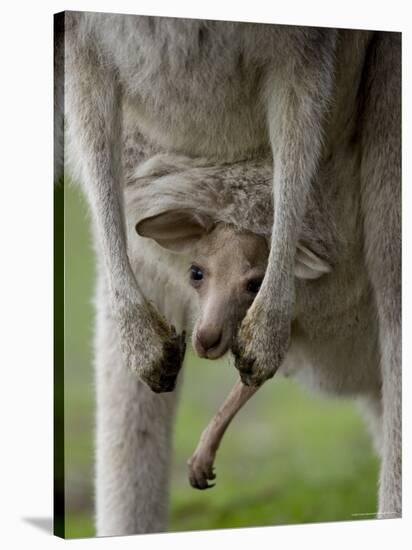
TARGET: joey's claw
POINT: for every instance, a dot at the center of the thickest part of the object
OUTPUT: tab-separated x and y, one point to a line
203	484
200	472
200	483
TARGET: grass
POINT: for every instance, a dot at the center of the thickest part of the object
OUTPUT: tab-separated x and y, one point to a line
289	457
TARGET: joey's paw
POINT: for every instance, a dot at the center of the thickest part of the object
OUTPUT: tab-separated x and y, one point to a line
261	344
201	470
151	347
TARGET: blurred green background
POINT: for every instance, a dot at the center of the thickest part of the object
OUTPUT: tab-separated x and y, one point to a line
288	457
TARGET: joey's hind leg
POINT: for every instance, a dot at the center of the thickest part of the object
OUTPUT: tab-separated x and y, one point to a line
133	441
201	463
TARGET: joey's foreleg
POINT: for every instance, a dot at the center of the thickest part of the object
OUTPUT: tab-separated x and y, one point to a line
296	118
93	95
201	462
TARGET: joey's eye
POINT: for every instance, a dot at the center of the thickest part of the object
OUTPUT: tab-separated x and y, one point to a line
254	285
196	274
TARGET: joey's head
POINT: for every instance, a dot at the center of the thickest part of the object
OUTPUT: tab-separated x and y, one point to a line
225	267
226	272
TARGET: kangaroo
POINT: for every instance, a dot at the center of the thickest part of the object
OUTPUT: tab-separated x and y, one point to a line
323	103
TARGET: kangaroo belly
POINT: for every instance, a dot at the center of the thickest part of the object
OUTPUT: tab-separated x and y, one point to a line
196	87
203	87
203	114
210	133
339	355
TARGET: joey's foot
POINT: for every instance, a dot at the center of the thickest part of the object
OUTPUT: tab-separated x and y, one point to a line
261	343
201	469
151	347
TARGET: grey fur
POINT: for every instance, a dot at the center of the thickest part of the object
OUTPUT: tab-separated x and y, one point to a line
164	77
335	334
325	105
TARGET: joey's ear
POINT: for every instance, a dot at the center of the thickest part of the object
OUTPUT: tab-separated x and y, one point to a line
308	265
177	230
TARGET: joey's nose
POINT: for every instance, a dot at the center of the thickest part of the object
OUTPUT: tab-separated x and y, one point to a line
208	339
